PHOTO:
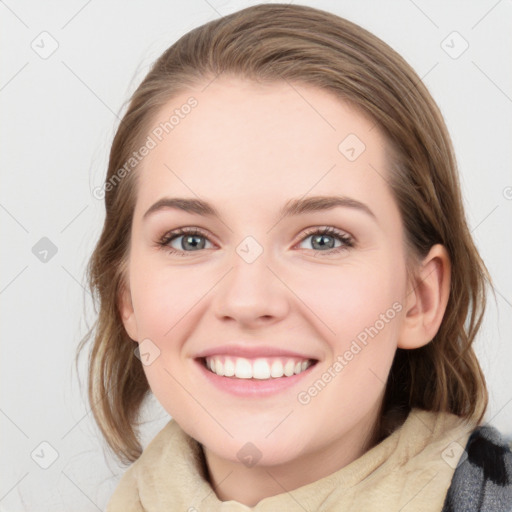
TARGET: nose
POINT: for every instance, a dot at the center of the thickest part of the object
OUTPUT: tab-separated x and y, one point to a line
251	294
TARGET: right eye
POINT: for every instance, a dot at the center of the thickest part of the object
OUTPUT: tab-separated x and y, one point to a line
190	239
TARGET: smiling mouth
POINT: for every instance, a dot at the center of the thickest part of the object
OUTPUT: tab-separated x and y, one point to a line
261	368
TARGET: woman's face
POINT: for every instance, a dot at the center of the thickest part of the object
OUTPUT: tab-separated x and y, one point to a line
260	172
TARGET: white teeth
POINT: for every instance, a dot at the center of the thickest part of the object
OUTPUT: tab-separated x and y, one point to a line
288	368
229	368
276	370
261	368
219	367
243	369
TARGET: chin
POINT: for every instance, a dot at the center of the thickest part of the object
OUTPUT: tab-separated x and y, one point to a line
254	448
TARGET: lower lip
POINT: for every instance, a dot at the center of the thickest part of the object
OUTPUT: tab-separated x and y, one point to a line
256	388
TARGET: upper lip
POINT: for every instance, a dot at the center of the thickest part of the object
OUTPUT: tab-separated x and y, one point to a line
251	351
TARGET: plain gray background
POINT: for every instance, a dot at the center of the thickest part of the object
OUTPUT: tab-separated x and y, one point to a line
60	111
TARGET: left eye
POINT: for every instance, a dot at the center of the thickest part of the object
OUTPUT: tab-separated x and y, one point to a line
190	239
325	239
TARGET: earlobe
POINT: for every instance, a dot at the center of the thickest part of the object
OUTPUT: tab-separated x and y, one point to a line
426	300
127	313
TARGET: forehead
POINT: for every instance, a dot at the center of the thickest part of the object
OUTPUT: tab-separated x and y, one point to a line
261	142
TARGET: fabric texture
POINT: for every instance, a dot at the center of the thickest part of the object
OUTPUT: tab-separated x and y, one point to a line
482	481
411	470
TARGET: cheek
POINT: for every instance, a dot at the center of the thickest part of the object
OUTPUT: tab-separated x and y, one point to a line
162	296
352	297
360	305
164	382
165	302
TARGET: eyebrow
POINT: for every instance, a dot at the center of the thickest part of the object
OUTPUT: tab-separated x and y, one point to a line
291	208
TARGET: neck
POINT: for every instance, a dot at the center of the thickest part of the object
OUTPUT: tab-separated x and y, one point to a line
249	485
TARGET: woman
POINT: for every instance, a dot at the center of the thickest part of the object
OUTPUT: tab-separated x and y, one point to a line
285	243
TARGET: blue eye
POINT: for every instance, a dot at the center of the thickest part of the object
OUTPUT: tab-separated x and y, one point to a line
191	238
194	239
326	238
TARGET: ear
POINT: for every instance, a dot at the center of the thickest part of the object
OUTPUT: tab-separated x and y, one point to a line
127	312
426	299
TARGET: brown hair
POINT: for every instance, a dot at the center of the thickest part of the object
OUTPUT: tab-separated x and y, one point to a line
299	44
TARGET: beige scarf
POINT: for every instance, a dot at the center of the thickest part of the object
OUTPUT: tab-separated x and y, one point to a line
408	471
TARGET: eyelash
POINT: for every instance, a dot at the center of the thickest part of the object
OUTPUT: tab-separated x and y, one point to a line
347	241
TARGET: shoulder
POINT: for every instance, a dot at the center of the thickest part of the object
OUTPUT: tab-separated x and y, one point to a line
482	480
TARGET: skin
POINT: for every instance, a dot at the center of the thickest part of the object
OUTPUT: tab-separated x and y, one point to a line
248	149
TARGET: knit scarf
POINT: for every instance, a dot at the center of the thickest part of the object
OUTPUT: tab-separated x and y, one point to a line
483	479
411	470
